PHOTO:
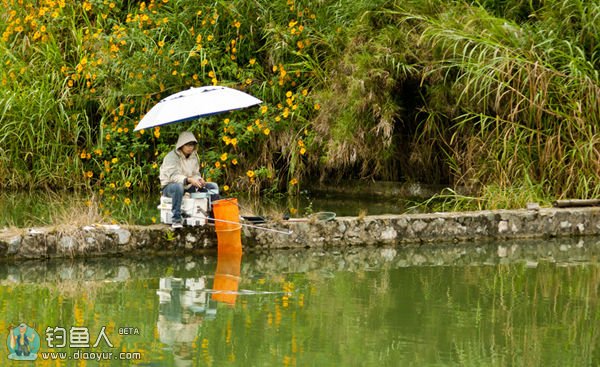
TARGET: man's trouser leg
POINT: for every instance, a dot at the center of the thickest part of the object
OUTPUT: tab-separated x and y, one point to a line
175	192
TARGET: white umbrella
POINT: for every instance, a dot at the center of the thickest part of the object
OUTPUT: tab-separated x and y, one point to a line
196	102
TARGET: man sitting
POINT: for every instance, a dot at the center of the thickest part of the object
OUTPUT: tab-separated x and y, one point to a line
180	173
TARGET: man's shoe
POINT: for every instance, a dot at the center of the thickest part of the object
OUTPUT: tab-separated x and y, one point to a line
176	225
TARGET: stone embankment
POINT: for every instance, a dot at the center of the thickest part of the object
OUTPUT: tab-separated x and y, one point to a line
102	240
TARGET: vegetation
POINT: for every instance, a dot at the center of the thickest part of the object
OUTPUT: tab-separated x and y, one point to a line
494	97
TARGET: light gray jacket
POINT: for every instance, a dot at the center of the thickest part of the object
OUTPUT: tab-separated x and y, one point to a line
176	167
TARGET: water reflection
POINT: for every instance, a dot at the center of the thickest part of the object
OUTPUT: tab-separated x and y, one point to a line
496	304
183	306
186	302
227	278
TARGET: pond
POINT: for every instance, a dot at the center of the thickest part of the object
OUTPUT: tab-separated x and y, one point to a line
494	304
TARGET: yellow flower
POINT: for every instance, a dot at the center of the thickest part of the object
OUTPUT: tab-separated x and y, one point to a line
293	181
317	106
153	219
250	173
234	142
154	165
224	157
226	121
115	160
267	131
127	201
218	164
225	188
234	161
304	92
252	61
288	94
82	155
89	174
161	43
98	152
128	184
112	185
302	150
107	136
264	109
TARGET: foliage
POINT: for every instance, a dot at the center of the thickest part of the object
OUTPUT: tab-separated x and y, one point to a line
109	62
448	92
468	93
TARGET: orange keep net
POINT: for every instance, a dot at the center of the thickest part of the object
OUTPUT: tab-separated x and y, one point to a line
227	225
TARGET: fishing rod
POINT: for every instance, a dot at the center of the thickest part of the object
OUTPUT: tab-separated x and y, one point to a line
251	226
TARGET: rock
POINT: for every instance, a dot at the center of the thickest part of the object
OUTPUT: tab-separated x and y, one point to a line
432	228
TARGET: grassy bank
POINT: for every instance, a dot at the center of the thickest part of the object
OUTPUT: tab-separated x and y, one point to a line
499	99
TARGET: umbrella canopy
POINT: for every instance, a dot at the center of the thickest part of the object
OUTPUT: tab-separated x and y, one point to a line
196	102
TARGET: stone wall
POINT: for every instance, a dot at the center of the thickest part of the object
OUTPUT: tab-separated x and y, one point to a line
101	240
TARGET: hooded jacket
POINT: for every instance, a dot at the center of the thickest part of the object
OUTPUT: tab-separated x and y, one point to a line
176	167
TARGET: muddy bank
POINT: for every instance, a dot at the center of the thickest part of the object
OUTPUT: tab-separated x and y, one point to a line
113	240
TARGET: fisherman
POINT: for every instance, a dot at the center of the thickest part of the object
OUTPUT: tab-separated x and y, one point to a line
21	343
180	173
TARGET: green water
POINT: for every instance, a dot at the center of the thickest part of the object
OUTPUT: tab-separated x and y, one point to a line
498	304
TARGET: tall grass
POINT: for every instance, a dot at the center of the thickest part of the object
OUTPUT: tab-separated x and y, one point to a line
498	95
505	102
527	105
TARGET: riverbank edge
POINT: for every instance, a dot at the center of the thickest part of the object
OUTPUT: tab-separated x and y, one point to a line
134	240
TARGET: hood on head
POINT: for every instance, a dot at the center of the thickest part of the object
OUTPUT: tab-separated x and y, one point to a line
184	138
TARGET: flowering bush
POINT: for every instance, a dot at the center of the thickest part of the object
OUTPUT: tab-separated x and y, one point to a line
114	60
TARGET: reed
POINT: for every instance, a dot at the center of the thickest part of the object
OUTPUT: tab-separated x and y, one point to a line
498	95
